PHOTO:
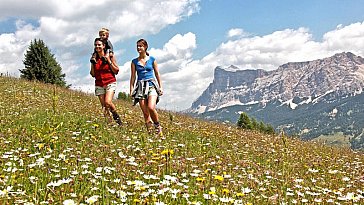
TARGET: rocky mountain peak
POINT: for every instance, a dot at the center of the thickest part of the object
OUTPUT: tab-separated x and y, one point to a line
342	73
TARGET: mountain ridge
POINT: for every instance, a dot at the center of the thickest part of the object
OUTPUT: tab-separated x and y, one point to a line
301	79
314	86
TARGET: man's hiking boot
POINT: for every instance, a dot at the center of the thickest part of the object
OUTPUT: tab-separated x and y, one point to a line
116	117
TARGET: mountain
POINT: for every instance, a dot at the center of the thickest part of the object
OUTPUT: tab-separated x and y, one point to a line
312	99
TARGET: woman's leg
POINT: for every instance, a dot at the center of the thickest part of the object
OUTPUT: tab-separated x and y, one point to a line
148	121
152	100
105	109
111	107
144	107
108	100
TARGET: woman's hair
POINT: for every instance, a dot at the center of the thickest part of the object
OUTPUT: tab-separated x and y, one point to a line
99	39
145	43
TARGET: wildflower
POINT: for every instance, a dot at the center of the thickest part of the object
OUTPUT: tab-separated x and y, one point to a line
219	178
333	171
40	162
59	182
290	194
174	191
225	191
33	179
212	191
240	194
167	152
351	196
346	179
40	145
207	196
298	180
199	179
318	200
4	192
121	194
227	176
246	190
122	156
92	199
69	202
62	156
226	200
313	170
186	195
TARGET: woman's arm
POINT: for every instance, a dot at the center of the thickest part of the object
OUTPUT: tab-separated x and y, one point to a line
113	65
132	77
157	75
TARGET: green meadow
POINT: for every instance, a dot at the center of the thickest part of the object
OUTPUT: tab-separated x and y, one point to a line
57	148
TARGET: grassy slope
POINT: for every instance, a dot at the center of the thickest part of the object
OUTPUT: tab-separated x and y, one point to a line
56	147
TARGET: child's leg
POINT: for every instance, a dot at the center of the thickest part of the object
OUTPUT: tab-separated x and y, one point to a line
93	58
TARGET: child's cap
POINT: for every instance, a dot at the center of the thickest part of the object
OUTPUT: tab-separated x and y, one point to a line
104	30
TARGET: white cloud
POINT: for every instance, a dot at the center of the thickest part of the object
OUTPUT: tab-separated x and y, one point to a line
235	32
348	38
68	27
184	85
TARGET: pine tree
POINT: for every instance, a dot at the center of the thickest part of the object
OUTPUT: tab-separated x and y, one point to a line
244	121
254	123
40	64
269	129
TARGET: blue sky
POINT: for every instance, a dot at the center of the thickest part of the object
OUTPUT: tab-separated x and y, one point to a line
189	38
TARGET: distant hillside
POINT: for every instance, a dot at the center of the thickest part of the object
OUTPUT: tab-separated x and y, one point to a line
308	99
57	148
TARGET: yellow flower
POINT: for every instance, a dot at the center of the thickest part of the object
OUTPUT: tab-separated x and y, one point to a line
225	191
40	145
199	179
219	178
240	194
167	152
212	192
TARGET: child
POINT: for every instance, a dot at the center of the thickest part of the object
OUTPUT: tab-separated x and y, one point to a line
109	50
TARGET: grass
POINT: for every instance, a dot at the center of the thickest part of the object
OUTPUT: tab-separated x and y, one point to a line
56	148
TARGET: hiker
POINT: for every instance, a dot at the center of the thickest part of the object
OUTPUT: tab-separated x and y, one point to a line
109	49
105	81
148	86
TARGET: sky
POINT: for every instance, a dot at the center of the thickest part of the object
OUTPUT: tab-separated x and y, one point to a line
188	38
